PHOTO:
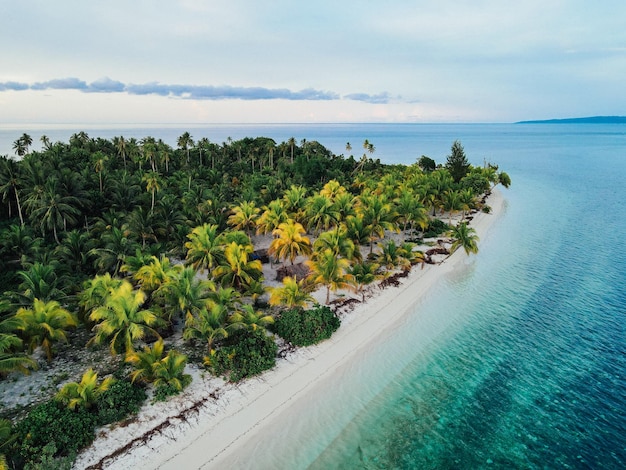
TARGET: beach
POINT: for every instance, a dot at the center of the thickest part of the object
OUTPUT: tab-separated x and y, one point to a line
219	425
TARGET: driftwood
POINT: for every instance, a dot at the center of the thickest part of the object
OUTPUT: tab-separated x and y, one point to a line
299	271
440	250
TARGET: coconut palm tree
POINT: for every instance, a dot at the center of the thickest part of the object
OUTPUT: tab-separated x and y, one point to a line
465	237
44	324
185	142
55	211
292	293
321	213
10	181
377	215
186	291
40	281
204	248
273	215
237	270
121	319
97	290
120	145
244	217
156	273
363	274
11	359
84	394
295	200
338	242
290	241
246	317
99	164
153	184
330	271
210	325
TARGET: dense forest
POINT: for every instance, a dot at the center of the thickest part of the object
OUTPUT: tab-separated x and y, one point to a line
123	245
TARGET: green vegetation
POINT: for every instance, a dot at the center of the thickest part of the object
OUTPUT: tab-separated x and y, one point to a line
305	327
124	244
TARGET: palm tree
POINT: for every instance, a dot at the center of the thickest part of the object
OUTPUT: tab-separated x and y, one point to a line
204	248
409	211
45	141
295	201
121	319
99	163
96	291
153	366
9	180
185	141
273	215
120	146
244	217
238	271
153	184
291	294
464	236
245	316
84	394
290	241
117	246
330	271
321	213
338	242
451	203
364	274
157	273
40	281
210	325
185	290
10	359
44	324
55	211
377	216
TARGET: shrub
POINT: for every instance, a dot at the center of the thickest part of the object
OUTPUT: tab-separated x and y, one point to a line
120	400
435	228
306	327
486	209
52	424
247	353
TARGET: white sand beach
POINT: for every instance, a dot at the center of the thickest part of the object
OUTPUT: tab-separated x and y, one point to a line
213	422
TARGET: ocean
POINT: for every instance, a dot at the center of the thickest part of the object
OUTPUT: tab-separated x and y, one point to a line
517	359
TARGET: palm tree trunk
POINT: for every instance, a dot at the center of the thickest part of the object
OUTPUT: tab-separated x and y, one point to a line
19	206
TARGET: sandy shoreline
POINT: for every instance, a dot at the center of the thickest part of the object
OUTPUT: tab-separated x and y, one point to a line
199	431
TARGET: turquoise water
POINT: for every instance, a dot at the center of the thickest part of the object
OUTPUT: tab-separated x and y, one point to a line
516	360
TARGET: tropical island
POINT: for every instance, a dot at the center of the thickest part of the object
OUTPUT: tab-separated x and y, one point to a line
127	264
581	120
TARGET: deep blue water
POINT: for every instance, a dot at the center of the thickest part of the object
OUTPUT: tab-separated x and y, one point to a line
518	359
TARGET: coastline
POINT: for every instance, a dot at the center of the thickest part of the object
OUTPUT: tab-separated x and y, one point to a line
211	426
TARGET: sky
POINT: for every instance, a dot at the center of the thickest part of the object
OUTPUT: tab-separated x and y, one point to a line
281	61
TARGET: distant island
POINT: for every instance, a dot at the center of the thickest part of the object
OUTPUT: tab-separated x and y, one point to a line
582	120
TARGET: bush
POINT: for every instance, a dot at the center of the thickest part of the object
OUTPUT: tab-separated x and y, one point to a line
306	327
486	209
435	228
52	424
120	400
247	353
163	392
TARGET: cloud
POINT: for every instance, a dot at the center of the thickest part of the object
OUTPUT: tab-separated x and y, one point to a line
381	98
16	86
106	85
193	92
60	84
